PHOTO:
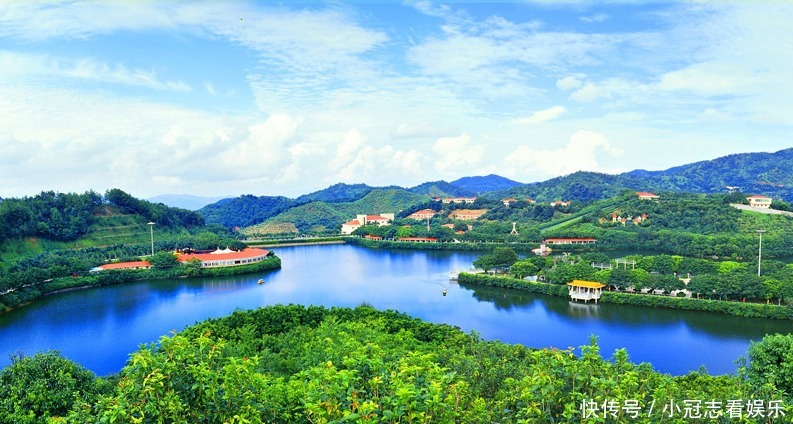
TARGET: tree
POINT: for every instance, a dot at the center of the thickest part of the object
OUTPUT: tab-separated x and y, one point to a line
163	260
504	256
771	362
620	278
523	268
45	385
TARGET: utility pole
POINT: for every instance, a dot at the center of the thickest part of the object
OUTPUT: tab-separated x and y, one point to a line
759	251
151	230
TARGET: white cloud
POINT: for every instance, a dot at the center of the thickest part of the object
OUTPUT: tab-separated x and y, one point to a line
265	145
596	18
589	93
541	116
709	79
24	66
358	160
579	154
455	154
568	83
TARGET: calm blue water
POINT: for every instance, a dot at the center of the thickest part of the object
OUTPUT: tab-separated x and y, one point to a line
100	327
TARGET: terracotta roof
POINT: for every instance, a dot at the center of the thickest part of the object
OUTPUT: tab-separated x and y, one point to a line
250	252
758	196
353	222
125	265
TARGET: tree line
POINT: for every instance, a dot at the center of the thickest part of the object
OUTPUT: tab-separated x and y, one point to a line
69	216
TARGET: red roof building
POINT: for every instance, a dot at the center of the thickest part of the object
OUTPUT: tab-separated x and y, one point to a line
226	257
123	265
422	214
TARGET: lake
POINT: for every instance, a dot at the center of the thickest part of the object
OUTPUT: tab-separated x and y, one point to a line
99	327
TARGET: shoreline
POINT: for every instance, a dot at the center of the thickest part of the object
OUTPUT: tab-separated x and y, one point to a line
741	309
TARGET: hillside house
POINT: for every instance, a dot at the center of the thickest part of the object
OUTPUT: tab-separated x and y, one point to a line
379	220
560	203
759	201
350	226
467	214
645	195
508	201
361	220
423	214
459	200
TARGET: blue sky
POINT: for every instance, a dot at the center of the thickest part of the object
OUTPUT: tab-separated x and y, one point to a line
285	98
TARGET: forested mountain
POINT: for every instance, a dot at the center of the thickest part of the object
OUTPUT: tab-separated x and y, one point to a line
245	210
321	216
485	184
582	186
337	193
754	173
767	173
441	189
68	216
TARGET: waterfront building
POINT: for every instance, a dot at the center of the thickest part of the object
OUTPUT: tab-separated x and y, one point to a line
585	290
226	257
122	265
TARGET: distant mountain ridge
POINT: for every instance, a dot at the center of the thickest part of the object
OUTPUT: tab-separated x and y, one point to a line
755	173
770	174
485	184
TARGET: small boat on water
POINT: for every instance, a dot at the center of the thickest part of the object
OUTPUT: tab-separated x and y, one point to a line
260	281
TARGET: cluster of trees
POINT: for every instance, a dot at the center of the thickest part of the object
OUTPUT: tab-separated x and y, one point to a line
50	215
286	364
69	216
722	280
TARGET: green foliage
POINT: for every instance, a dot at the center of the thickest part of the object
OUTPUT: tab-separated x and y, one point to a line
501	257
155	212
245	210
771	362
33	389
52	215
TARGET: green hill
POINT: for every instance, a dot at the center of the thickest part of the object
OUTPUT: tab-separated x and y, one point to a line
441	189
328	217
754	173
245	210
485	184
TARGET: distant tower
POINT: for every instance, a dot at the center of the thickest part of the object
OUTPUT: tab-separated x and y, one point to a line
514	231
